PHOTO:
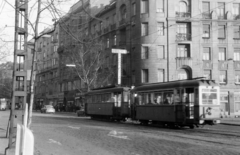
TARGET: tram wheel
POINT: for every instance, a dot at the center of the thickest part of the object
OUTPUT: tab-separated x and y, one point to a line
191	126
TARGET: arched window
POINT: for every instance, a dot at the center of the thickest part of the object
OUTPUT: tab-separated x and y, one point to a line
123	12
182	6
183	74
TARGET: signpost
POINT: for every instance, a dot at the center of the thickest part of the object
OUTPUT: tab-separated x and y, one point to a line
119	52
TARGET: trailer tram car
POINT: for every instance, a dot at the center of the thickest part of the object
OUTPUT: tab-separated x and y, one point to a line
108	103
177	103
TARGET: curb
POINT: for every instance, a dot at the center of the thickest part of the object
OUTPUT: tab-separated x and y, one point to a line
230	124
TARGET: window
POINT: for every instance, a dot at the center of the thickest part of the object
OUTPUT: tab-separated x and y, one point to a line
206	31
206	53
107	22
160	5
108	43
144	52
133	9
207	74
235	11
144	29
20	63
100	26
183	51
115	40
160	52
221	10
206	9
182	7
237	76
160	29
221	32
182	74
236	31
114	18
55	48
222	54
236	55
144	75
19	83
160	75
144	7
223	77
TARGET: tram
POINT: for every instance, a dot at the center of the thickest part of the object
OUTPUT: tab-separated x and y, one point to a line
182	103
177	103
108	103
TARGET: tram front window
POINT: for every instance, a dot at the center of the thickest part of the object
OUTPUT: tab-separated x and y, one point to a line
209	96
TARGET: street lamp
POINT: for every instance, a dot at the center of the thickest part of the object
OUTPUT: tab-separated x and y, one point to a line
70	65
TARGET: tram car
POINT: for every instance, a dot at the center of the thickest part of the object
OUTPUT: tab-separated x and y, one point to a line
177	103
111	103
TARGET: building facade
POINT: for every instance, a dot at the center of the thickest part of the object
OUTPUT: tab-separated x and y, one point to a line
166	40
46	80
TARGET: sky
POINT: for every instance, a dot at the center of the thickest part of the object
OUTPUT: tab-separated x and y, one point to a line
7	18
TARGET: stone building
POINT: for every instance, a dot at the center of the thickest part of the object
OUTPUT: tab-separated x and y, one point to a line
46	80
166	40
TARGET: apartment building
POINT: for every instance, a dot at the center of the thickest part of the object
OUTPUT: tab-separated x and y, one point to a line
166	40
46	80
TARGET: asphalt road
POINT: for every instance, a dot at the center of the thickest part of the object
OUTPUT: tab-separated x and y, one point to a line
69	135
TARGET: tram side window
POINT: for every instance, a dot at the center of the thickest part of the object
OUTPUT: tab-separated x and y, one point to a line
158	98
118	100
168	97
177	97
89	99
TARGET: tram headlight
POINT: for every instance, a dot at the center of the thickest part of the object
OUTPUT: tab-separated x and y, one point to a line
135	95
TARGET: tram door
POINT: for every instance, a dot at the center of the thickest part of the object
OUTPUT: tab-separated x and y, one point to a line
188	100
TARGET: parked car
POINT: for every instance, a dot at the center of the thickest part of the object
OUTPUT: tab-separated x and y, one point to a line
80	112
47	109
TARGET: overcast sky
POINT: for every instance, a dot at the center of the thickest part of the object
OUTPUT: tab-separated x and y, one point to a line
7	18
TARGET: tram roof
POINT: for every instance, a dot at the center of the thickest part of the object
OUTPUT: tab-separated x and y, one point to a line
175	84
106	90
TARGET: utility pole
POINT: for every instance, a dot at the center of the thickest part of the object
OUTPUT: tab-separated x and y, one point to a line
19	89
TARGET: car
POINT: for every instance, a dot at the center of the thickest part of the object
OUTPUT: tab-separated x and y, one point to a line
47	109
80	112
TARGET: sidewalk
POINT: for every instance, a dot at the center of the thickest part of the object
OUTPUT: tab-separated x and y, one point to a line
231	121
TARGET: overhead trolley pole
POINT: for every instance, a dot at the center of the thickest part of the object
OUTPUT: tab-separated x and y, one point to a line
19	88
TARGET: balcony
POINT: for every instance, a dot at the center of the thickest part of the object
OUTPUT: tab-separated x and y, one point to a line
99	32
183	14
207	64
237	65
39	49
181	61
221	17
236	17
222	65
122	22
106	30
55	40
113	27
206	16
122	43
183	37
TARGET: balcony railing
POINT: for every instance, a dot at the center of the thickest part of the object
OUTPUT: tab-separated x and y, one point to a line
181	61
113	26
207	64
183	14
55	40
183	37
237	65
106	30
206	16
121	22
221	17
223	65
